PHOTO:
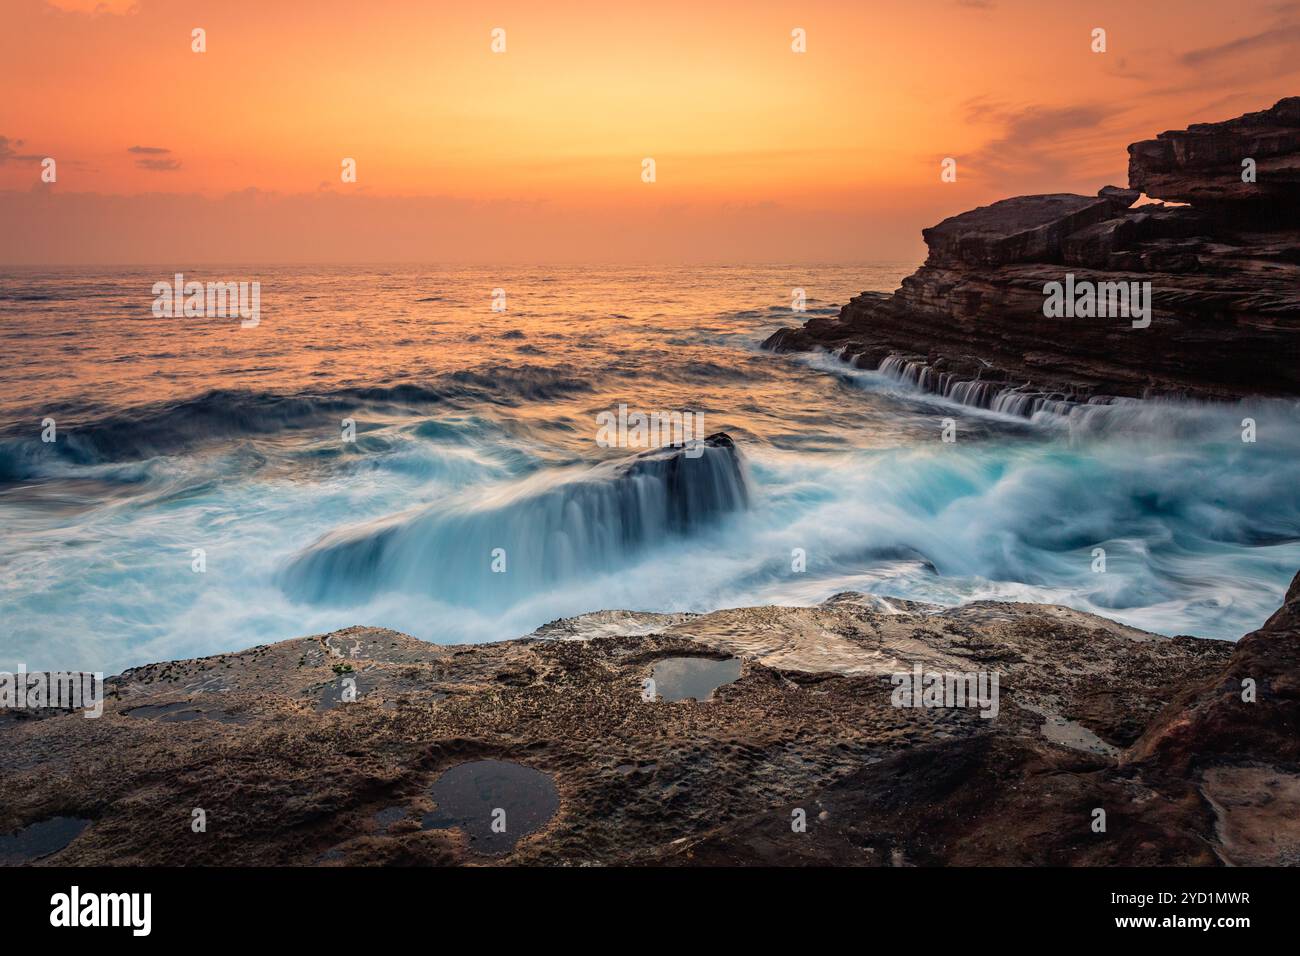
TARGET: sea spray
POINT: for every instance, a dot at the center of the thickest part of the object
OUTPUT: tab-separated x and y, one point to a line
504	547
1201	529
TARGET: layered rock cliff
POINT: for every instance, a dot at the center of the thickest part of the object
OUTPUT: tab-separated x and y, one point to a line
1223	272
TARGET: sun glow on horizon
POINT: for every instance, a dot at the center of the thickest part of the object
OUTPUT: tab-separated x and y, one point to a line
850	131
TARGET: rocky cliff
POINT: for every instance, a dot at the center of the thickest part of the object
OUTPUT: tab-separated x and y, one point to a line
975	321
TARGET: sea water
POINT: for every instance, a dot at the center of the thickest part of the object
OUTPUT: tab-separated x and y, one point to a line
200	495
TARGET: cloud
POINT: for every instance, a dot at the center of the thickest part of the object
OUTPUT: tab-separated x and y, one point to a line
159	165
9	155
1038	144
1244	63
1281	35
153	159
1034	125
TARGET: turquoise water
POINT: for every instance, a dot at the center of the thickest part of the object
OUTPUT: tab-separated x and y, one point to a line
477	429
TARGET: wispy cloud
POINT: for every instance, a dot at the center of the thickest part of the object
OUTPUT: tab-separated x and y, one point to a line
8	154
1039	145
1241	62
159	165
1277	36
156	159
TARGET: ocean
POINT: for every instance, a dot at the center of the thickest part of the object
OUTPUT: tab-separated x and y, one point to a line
199	495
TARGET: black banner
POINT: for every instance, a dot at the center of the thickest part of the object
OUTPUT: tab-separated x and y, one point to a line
328	904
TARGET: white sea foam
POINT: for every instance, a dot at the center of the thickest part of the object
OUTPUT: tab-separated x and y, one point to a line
1201	530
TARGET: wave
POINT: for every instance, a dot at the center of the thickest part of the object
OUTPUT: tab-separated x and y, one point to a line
1019	400
547	531
1098	417
150	431
1197	536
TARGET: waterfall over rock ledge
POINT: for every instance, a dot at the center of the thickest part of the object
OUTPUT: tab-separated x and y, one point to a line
541	532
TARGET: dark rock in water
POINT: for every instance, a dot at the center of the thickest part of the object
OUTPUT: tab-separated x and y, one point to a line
700	483
39	840
591	521
1223	274
554	729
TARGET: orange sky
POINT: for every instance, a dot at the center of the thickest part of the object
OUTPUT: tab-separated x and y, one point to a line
535	154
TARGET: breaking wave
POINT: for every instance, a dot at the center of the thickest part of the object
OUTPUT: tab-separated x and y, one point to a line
536	534
1021	400
464	446
221	415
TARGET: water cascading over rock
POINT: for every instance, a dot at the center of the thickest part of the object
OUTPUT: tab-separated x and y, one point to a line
547	530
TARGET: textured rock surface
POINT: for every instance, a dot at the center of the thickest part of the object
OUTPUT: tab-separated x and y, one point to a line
1224	279
1092	714
1202	165
1213	779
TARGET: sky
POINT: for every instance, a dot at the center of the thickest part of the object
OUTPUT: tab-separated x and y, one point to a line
535	154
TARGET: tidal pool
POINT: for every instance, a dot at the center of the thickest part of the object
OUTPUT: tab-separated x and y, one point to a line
474	796
40	839
693	678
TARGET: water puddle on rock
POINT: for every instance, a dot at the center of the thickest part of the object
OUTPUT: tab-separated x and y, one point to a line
692	678
40	839
474	796
1074	735
1069	733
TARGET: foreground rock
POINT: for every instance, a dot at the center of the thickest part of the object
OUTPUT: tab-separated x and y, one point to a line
554	733
1224	276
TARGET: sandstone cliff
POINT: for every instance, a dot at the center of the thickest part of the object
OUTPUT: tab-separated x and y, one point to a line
1224	274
